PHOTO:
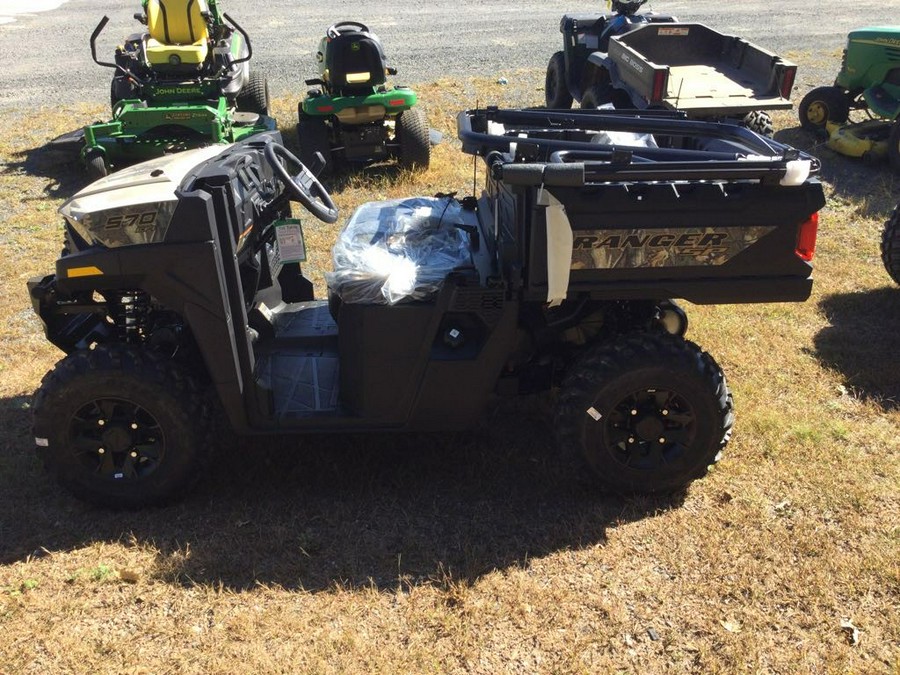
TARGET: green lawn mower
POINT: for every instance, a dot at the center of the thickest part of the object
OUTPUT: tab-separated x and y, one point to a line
352	114
869	80
184	83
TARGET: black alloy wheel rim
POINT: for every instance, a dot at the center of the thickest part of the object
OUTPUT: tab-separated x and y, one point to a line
650	429
116	439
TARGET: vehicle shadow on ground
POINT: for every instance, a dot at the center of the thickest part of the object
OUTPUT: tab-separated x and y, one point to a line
876	188
862	342
59	163
317	512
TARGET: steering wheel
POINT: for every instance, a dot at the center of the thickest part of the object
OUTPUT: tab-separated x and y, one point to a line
304	187
335	29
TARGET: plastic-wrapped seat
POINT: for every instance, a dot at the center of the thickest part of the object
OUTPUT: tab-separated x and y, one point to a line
398	250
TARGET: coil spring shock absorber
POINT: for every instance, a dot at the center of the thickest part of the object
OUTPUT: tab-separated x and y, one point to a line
129	311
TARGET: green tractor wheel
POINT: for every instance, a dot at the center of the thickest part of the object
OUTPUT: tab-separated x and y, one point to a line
414	139
823	105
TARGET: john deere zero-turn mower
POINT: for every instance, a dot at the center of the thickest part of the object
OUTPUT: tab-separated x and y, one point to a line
869	80
183	83
352	114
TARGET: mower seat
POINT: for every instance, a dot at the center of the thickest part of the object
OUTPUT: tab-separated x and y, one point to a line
179	37
355	64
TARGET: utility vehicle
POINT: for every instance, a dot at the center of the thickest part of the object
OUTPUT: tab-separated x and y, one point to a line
869	80
642	61
185	82
352	114
180	290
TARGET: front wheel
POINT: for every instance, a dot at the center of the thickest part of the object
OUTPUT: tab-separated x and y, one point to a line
121	427
556	92
414	139
890	245
95	163
649	412
823	105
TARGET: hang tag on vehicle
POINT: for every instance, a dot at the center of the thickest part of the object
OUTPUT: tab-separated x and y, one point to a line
289	244
595	415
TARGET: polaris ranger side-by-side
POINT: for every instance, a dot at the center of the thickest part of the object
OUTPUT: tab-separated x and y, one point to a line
182	275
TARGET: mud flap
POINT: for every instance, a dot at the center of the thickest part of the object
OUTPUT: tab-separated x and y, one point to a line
559	247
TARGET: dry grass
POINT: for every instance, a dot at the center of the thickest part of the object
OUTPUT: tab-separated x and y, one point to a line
475	552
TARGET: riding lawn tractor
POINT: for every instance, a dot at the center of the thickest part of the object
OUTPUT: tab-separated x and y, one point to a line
352	114
869	80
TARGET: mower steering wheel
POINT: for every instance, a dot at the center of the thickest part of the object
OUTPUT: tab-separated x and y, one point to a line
334	30
304	187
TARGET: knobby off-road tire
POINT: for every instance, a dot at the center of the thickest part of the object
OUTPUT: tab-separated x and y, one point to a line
313	136
822	105
890	245
759	121
414	139
254	97
122	427
648	412
556	92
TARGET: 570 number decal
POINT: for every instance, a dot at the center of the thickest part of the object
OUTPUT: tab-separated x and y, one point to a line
142	221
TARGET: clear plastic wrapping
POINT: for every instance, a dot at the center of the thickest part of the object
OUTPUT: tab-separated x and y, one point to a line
397	250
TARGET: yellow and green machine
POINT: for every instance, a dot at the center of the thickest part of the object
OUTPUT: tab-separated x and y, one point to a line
182	83
352	115
869	80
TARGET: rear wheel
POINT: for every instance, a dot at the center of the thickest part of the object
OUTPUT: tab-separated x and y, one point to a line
313	135
823	105
121	427
760	122
254	97
556	92
414	140
649	412
890	246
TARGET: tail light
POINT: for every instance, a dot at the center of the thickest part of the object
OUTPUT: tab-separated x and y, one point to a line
806	238
787	83
659	86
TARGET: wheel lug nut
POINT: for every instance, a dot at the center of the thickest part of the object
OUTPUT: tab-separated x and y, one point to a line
134	425
634	411
133	454
631	439
662	440
100	451
101	422
665	412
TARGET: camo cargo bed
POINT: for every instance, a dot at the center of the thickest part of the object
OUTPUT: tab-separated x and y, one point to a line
621	207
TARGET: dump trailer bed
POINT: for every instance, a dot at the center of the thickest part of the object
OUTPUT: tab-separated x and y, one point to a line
617	207
691	67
